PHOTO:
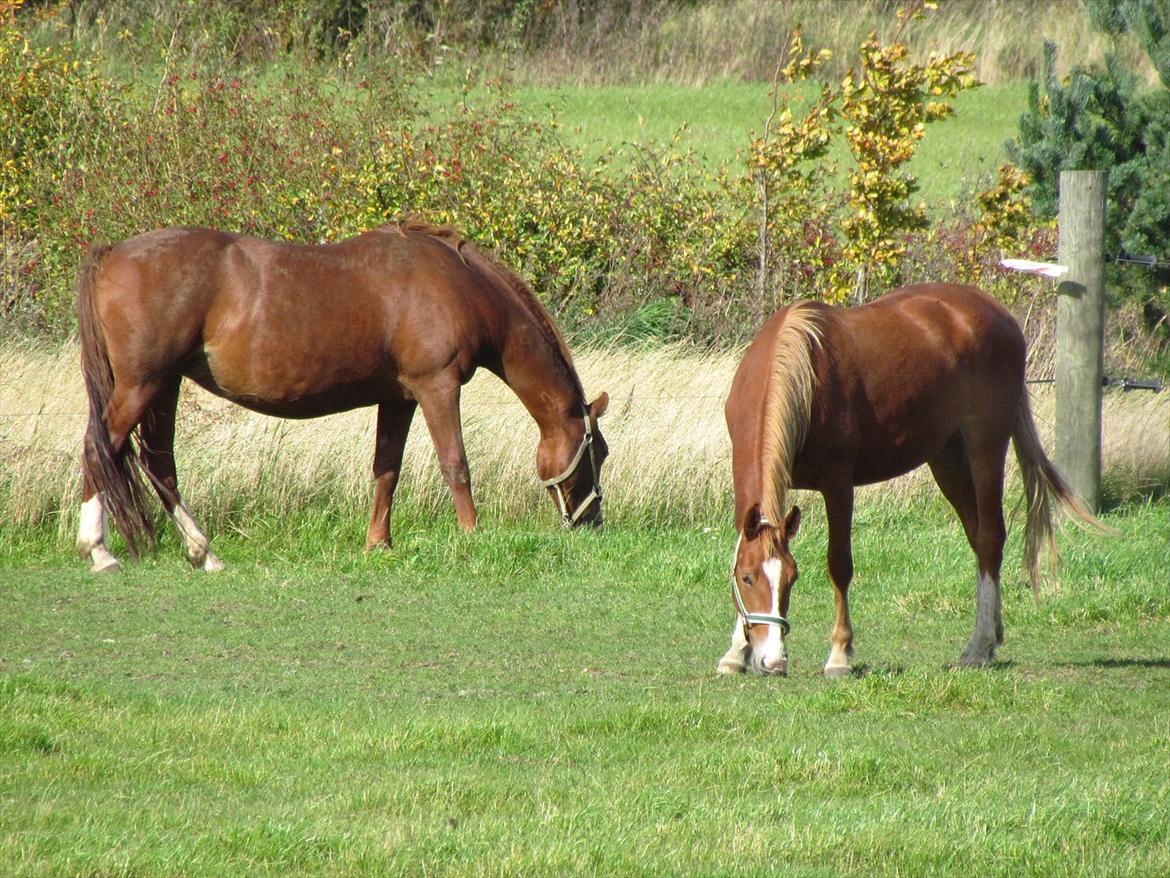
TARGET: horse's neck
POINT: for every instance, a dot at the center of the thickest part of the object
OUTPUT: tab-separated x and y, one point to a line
534	367
748	480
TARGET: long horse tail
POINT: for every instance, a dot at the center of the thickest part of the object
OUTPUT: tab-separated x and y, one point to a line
1043	484
116	474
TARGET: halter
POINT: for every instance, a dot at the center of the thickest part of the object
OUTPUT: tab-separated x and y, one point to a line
752	618
556	482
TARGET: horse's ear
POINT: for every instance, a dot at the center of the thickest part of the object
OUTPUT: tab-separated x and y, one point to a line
792	523
598	406
753	522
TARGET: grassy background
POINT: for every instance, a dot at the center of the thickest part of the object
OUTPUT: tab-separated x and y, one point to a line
670	462
957	158
530	701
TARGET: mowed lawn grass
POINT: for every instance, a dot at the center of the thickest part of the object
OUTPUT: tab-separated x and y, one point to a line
957	157
527	701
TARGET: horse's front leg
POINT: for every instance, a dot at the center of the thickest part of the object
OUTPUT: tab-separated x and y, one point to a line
839	513
734	661
440	407
393	427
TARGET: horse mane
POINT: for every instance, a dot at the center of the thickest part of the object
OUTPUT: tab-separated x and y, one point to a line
488	264
791	383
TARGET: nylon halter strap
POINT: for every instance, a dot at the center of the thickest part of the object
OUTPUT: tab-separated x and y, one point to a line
752	618
570	518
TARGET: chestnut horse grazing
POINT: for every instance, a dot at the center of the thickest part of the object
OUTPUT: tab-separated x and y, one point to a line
828	398
399	317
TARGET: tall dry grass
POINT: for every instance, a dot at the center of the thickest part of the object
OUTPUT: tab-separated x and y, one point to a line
234	463
670	456
743	39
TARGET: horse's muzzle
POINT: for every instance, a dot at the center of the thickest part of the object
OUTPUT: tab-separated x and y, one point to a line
778	668
595	524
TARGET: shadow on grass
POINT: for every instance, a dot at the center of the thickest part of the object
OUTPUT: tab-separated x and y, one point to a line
1125	663
863	669
1117	497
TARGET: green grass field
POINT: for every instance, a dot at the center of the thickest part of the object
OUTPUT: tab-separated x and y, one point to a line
957	156
525	701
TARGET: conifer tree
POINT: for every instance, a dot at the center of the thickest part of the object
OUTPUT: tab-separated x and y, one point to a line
1109	119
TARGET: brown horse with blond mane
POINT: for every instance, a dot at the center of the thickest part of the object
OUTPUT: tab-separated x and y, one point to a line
399	318
829	398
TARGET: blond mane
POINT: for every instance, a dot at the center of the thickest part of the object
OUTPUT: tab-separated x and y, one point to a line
787	405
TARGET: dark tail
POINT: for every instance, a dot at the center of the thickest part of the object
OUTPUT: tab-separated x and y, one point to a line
1043	483
117	474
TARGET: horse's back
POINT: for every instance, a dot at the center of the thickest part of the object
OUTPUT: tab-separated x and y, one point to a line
930	322
901	376
294	329
154	269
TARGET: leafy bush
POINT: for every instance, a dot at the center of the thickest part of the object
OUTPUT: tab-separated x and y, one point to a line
201	151
881	109
309	158
649	242
48	106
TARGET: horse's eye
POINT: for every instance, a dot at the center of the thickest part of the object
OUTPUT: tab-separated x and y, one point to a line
747	579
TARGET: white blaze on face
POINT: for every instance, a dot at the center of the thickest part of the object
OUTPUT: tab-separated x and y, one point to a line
774	654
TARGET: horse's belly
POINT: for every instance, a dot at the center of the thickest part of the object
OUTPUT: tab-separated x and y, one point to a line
868	473
877	457
896	455
295	386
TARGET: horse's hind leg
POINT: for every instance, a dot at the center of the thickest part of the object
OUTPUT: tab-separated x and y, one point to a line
93	531
157	438
952	473
393	427
971	478
123	411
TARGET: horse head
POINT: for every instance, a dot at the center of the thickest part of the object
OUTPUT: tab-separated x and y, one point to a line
763	573
576	455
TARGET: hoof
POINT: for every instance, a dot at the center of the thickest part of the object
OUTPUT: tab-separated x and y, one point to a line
837	672
970	659
730	666
211	564
108	564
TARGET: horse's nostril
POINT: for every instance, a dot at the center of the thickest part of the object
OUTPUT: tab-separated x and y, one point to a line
774	667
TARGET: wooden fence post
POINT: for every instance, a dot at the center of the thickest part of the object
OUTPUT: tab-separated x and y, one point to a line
1080	332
